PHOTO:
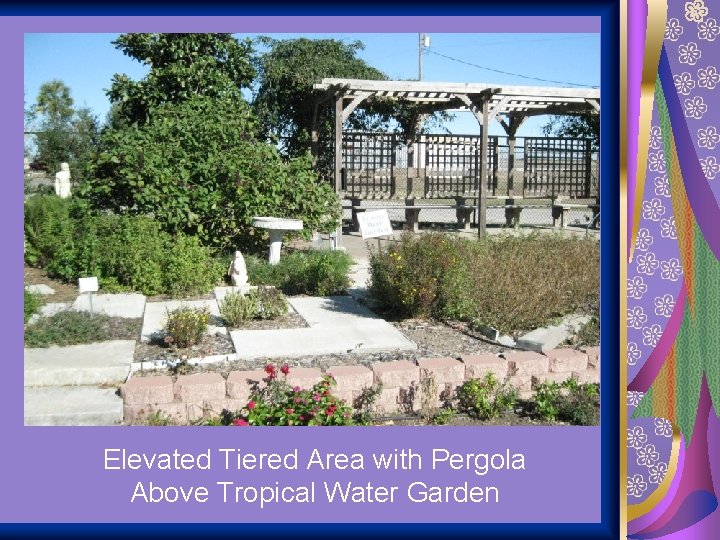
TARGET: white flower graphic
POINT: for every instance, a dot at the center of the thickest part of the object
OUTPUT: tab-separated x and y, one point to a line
655	137
633	355
634	398
636	486
644	240
707	78
651	335
653	210
695	107
710	167
667	228
673	30
636	287
656	162
647	455
663	427
662	186
695	11
708	137
708	30
664	305
636	317
658	472
689	54
671	269
684	83
647	263
636	437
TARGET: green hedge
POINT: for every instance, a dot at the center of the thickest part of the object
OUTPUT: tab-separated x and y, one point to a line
125	252
514	283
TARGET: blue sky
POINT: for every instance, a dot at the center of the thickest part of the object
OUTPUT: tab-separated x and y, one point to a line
87	62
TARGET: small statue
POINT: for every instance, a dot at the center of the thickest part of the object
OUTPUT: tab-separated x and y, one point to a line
62	181
238	271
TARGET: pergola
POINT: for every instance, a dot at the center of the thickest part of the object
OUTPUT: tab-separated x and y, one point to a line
509	105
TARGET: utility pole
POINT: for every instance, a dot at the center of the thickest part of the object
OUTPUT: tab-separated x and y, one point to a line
423	42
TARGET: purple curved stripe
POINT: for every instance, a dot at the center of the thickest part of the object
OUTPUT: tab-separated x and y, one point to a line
702	200
637	17
645	521
651	367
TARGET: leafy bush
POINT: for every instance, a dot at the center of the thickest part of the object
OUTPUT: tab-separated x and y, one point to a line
48	227
511	283
572	402
319	273
185	326
74	327
124	252
33	303
278	404
272	302
486	398
237	308
260	303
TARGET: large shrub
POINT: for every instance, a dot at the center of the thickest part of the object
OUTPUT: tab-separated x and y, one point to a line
511	283
198	168
48	227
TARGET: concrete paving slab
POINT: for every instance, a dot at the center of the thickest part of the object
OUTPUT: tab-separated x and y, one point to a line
93	363
48	310
549	337
72	406
156	316
40	289
131	306
338	325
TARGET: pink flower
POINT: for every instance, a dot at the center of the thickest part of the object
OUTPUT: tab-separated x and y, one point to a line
240	422
296	389
251	405
316	397
289	411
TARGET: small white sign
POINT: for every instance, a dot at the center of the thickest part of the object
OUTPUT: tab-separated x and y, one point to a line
374	223
88	284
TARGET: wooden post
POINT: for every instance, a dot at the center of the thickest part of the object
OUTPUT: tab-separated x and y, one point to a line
511	166
482	192
338	156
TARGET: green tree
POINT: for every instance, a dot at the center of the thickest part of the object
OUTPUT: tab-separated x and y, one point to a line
193	160
576	127
181	66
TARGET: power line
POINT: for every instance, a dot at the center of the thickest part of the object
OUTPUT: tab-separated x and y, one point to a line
507	72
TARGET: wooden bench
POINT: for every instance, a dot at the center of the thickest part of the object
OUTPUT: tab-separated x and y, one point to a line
560	212
463	212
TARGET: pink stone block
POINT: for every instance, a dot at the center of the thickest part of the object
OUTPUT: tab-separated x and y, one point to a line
521	382
387	402
478	366
175	412
593	354
350	378
442	370
567	360
587	376
240	384
305	378
558	378
527	363
345	395
396	374
200	387
142	390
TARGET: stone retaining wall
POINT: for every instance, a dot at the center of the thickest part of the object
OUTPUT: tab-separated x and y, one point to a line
191	397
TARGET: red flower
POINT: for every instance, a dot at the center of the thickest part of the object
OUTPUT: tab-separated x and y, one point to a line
326	393
269	369
285	369
240	422
251	405
289	411
330	410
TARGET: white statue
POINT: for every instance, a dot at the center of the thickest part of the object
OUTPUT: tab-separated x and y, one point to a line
238	271
62	181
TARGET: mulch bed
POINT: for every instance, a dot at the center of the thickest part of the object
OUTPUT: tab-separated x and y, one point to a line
64	292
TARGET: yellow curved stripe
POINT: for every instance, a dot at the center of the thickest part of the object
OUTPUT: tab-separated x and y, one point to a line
634	511
657	18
